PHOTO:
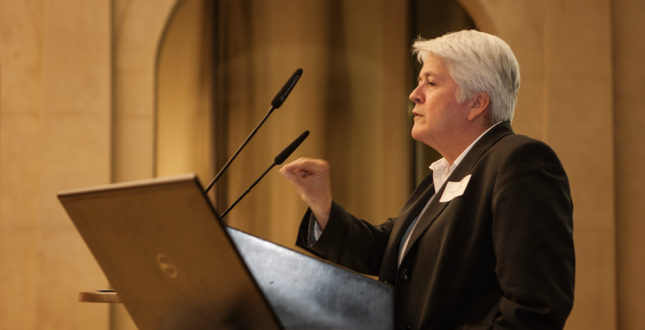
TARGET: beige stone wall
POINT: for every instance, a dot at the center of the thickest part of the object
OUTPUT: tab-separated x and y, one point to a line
78	82
55	134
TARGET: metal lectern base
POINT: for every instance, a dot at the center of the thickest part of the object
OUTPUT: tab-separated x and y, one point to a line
307	293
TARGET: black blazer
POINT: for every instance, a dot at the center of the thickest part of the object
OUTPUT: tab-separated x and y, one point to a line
498	256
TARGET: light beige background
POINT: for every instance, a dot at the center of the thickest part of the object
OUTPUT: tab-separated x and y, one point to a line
103	91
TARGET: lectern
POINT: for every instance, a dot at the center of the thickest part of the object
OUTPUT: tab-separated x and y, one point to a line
176	266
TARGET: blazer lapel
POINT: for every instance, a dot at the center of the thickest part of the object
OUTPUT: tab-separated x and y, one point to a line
409	213
410	210
464	168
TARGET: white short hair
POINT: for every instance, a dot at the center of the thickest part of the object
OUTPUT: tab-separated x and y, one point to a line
478	62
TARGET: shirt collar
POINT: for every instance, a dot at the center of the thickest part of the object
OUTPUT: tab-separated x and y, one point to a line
441	169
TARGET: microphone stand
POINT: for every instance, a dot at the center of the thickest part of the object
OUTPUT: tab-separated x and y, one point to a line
275	104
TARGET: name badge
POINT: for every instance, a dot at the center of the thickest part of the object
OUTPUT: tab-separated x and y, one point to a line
454	189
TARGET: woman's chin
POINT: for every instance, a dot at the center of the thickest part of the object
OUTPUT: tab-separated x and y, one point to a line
416	134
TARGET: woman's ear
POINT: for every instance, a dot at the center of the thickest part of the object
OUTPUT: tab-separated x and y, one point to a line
479	103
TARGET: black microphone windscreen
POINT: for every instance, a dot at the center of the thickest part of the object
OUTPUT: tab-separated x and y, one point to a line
286	89
280	158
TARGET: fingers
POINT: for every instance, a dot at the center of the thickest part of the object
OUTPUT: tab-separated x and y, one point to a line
291	177
304	169
306	165
311	177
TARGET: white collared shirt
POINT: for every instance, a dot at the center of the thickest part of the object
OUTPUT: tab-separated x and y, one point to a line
441	169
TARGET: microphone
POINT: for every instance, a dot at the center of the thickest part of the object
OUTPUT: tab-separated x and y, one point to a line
275	104
279	159
286	89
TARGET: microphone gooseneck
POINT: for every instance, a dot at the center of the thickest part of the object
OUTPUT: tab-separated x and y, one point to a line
279	159
275	104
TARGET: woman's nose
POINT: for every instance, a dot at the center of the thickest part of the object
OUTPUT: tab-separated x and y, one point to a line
416	96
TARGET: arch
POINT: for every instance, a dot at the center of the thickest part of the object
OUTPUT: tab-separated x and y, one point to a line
184	74
138	29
